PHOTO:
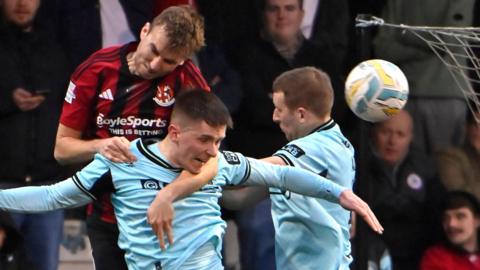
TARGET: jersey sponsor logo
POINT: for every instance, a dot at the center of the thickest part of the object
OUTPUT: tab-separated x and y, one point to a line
70	96
414	181
107	94
151	184
294	150
130	121
164	96
231	157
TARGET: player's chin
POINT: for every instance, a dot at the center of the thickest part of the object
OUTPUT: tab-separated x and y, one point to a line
192	169
195	166
148	76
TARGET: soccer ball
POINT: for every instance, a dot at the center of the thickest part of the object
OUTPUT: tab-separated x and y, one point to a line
375	90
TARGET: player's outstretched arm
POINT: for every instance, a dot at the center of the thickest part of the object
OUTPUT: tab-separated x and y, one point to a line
294	179
307	183
160	213
71	148
35	199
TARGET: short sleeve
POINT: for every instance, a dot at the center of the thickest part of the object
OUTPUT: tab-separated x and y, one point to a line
233	168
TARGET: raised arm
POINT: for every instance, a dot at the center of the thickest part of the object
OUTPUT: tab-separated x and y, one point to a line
294	179
71	148
307	183
160	213
34	199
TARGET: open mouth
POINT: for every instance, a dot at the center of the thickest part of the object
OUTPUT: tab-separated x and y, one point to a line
200	160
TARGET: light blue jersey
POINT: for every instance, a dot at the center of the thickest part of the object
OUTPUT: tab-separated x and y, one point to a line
310	232
197	224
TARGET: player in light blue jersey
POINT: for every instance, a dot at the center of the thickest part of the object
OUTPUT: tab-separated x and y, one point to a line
309	232
303	99
198	124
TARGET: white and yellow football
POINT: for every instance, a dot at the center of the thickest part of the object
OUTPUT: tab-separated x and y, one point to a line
376	89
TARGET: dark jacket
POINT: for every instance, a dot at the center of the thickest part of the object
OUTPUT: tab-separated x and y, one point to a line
34	62
406	199
221	77
12	253
78	24
259	66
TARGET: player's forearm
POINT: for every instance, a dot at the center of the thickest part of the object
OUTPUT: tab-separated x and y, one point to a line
70	150
294	179
35	199
310	184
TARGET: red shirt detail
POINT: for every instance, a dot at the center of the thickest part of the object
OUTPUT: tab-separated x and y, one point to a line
440	257
104	100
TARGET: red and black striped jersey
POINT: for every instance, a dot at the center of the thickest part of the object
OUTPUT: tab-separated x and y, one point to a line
104	99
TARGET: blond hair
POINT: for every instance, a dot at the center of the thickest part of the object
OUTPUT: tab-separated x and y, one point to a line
184	27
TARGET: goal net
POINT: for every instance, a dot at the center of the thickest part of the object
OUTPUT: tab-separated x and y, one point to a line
457	47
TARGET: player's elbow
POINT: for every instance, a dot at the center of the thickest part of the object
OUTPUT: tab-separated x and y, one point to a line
60	154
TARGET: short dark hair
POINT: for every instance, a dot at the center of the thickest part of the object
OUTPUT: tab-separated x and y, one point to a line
200	105
307	87
458	199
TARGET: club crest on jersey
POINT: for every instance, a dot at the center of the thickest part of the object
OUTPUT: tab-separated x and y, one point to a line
231	157
294	150
151	184
164	96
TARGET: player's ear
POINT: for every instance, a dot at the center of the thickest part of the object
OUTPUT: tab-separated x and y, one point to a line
145	30
302	113
173	132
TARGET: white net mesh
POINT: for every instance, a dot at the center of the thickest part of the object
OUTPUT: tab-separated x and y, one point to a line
455	46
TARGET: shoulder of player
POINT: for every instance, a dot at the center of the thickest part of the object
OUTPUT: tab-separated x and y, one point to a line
229	158
303	146
190	76
98	61
310	140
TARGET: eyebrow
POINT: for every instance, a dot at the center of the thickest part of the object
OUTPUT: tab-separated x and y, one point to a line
170	61
156	52
154	49
210	137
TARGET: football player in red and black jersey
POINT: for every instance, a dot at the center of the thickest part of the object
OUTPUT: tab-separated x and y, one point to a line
122	93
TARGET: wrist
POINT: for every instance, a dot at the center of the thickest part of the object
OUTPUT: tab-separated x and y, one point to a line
166	195
96	146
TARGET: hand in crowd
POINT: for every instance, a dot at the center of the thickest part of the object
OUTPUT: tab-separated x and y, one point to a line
116	149
25	100
350	201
